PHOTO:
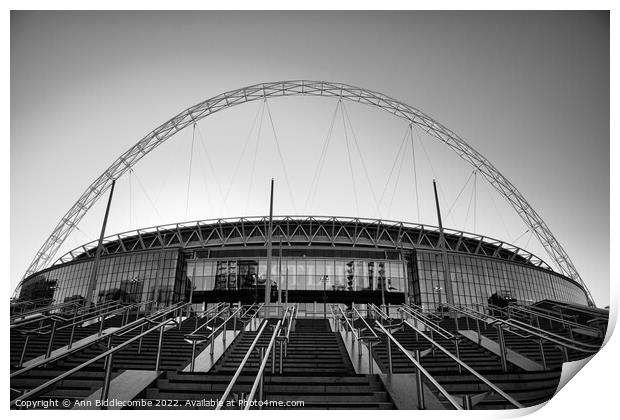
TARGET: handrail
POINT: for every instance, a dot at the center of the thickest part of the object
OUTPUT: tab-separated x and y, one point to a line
261	370
120	332
421	369
291	320
240	368
48	308
469	368
347	321
205	324
105	354
109	312
375	336
223	324
549	317
542	334
427	322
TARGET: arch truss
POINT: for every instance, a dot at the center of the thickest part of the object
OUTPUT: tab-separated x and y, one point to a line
305	88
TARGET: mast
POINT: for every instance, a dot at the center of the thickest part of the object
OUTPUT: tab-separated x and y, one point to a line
444	253
269	248
93	274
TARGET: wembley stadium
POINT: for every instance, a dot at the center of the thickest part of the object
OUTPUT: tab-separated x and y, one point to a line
315	259
293	311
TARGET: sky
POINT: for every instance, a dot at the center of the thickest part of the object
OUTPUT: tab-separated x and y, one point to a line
528	90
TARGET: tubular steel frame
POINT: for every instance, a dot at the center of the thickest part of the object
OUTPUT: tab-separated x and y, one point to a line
305	88
302	230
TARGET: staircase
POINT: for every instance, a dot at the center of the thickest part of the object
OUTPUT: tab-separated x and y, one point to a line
176	354
316	371
529	388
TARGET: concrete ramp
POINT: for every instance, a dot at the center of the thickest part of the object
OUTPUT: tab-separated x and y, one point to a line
125	387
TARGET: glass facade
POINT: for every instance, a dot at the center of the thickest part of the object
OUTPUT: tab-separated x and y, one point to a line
164	275
297	274
474	279
131	277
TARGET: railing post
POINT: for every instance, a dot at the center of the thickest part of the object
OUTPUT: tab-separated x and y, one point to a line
467	402
359	344
458	354
50	343
235	320
479	334
191	365
389	348
159	345
281	344
105	390
565	353
212	344
262	377
419	384
23	355
100	325
140	341
273	359
502	347
542	353
224	333
370	359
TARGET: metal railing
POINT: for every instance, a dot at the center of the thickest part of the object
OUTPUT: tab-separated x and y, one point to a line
541	313
237	314
434	328
109	359
78	319
44	310
230	386
462	365
420	372
284	324
118	333
340	318
526	331
283	338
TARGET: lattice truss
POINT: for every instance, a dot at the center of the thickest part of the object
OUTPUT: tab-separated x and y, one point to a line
305	88
306	231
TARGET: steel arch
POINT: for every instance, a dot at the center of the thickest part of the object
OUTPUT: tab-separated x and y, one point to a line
305	88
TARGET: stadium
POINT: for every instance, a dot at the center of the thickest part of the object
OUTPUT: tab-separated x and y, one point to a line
388	314
315	259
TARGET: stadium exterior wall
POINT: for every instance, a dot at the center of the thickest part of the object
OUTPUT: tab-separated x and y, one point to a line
315	259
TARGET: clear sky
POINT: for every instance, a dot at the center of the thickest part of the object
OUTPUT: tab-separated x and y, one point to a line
529	90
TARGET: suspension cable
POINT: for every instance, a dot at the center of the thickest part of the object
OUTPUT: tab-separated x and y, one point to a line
260	128
130	197
520	236
245	145
471	197
374	196
321	161
286	177
475	197
189	176
215	177
398	154
490	194
146	194
440	190
346	137
415	175
459	194
400	168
